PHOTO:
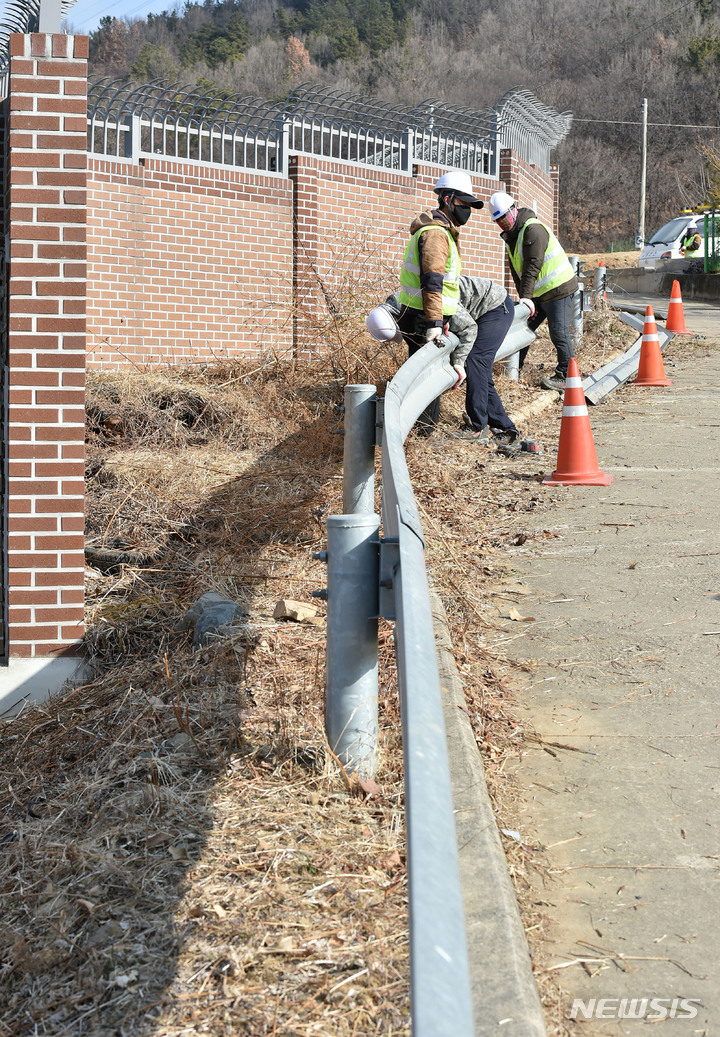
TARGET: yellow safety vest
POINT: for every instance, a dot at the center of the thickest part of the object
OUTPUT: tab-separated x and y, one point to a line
556	268
410	290
688	243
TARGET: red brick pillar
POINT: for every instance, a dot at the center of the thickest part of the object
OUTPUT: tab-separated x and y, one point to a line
46	177
309	310
508	175
555	178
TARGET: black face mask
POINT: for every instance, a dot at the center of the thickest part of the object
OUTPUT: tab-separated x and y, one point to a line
461	214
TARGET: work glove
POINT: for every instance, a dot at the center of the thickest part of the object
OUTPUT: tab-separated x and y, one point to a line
432	335
459	370
530	305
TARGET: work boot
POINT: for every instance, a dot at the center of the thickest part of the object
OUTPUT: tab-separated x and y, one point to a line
553	381
477	435
508	436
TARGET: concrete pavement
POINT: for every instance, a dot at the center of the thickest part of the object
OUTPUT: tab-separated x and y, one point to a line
621	795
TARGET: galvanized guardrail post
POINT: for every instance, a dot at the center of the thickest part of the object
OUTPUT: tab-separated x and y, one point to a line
351	690
511	366
359	450
351	683
576	321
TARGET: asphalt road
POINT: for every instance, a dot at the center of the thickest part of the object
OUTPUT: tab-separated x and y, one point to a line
620	805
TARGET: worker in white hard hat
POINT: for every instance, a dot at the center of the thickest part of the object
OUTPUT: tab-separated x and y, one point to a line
431	270
691	243
544	278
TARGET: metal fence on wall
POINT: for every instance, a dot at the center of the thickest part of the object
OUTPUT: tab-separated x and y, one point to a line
132	120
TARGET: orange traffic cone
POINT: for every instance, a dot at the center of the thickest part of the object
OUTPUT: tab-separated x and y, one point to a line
650	367
577	463
676	315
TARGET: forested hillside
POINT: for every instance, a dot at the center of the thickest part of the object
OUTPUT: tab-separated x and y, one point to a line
597	61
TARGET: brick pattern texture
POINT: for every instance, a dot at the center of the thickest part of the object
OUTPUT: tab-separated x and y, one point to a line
186	263
46	180
120	265
190	263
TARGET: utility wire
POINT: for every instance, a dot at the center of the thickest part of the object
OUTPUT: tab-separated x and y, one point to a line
671	125
107	9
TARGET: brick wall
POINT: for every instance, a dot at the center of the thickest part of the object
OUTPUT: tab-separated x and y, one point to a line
46	132
186	263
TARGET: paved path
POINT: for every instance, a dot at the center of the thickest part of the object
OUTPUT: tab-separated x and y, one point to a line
625	656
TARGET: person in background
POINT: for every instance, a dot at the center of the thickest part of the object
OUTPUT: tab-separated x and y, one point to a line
431	271
543	276
692	241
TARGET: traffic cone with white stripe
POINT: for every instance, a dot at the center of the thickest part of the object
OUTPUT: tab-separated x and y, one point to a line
650	366
577	463
676	315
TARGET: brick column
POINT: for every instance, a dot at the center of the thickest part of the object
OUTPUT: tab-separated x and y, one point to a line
46	176
309	308
555	177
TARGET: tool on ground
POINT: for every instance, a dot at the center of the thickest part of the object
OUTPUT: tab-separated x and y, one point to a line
528	446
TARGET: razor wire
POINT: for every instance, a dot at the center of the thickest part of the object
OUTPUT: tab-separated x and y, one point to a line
127	119
175	120
530	128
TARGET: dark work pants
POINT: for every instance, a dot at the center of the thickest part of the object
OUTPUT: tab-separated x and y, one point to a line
558	314
482	403
412	325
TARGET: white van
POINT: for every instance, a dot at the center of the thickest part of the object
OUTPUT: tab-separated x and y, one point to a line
666	243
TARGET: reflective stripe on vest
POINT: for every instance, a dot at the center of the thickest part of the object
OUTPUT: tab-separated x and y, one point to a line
556	268
410	290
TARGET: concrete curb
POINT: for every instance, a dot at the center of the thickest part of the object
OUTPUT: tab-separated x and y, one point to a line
504	990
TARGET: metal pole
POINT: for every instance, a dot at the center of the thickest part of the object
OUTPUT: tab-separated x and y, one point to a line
50	16
351	688
600	282
643	176
359	453
576	323
511	366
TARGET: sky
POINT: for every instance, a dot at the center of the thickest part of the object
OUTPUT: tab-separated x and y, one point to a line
85	15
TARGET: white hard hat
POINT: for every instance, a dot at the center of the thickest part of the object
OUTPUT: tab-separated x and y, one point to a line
459	182
500	203
381	324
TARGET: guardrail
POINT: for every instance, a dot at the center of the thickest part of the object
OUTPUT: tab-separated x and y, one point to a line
371	576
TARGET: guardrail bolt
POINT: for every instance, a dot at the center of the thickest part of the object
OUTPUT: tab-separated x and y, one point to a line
320	594
320	556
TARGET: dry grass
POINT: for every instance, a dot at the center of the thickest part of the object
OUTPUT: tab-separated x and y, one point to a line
612	260
179	853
